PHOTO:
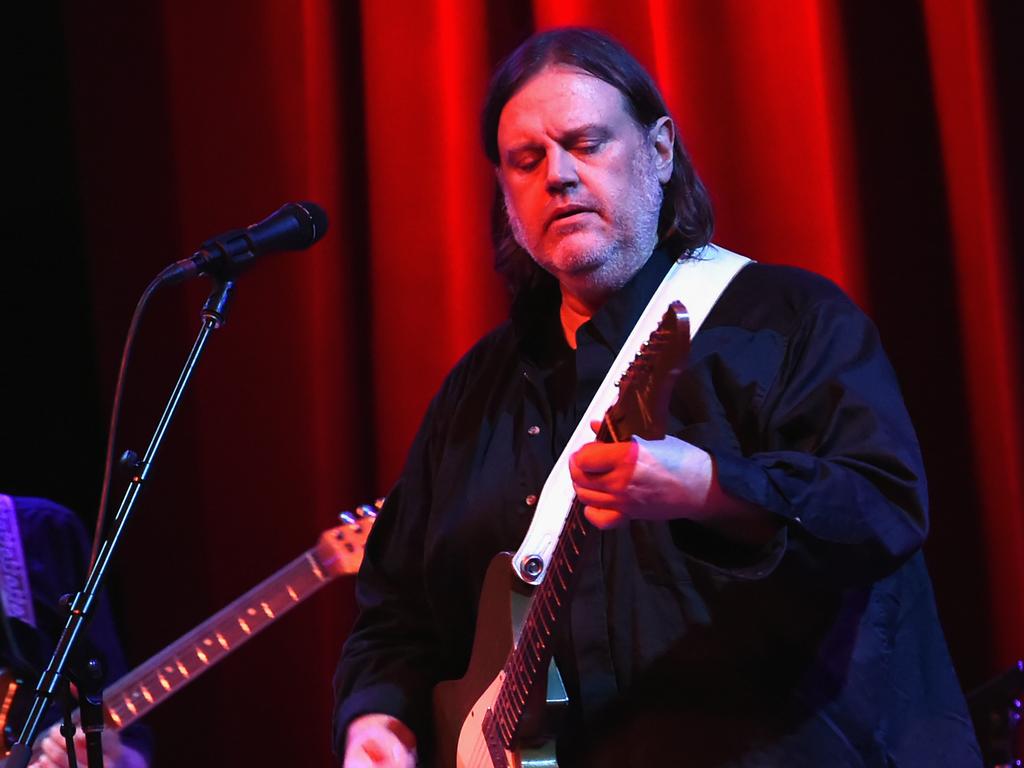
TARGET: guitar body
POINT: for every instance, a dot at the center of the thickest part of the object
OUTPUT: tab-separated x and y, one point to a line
464	730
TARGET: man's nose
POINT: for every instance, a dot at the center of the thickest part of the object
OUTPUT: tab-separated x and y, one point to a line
561	170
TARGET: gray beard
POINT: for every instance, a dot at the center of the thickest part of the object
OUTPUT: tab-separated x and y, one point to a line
606	268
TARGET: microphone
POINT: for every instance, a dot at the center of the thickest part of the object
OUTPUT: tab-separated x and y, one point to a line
292	227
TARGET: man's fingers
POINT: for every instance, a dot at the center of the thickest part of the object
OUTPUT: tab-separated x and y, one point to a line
595	458
597	498
604	518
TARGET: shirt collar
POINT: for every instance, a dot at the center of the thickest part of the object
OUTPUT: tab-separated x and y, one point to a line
613	322
538	327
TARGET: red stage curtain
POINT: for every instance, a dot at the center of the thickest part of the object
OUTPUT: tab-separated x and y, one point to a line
960	59
193	118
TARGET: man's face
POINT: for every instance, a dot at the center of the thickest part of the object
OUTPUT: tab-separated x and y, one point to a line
582	180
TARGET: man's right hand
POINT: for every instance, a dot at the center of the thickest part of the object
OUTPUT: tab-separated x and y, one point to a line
379	741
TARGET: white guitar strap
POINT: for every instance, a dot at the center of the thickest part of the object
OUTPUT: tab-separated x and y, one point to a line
14	585
697	282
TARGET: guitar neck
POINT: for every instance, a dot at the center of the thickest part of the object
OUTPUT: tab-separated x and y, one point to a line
641	409
527	664
178	664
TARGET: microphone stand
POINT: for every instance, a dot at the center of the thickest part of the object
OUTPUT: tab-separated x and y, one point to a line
214	315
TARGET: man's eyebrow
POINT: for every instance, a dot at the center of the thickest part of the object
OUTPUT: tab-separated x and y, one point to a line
526	146
590	130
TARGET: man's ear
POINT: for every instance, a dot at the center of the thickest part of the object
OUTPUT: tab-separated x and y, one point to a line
663	136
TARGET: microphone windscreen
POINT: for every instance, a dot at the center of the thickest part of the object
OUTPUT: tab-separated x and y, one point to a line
318	218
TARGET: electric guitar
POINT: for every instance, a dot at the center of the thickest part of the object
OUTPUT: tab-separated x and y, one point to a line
496	715
338	551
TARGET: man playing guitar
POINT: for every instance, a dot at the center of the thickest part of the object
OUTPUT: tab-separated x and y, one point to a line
751	591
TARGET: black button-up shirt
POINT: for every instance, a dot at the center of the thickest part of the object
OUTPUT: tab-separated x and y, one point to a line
681	647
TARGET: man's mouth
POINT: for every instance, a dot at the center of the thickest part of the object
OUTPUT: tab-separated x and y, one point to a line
569	211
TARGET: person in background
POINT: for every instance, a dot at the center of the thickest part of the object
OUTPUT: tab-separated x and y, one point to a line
45	556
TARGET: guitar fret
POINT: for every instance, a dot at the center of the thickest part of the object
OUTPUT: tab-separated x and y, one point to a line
551	610
315	566
519	694
506	723
561	579
501	710
541	623
506	731
530	646
523	674
515	708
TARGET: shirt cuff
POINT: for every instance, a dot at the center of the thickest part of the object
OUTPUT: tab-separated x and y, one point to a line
745	480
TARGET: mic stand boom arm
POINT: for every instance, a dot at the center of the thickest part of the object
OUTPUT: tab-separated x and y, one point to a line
213	314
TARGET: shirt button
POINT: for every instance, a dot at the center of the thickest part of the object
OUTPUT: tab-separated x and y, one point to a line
531	500
534	430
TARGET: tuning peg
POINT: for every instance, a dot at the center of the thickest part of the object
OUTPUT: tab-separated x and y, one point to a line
367	510
347	517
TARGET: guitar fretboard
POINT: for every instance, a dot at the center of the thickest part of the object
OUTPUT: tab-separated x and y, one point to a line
527	663
143	688
640	409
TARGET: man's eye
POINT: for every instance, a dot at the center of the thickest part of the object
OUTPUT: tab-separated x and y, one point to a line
527	163
588	147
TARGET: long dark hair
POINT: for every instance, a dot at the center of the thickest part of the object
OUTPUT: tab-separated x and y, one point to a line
686	219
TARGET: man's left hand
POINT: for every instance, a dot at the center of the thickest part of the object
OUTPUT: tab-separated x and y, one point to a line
642	480
662	480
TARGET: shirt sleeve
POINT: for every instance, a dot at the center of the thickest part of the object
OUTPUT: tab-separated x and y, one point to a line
388	663
837	456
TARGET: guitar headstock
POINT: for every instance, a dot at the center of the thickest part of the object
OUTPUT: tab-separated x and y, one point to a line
646	387
340	550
